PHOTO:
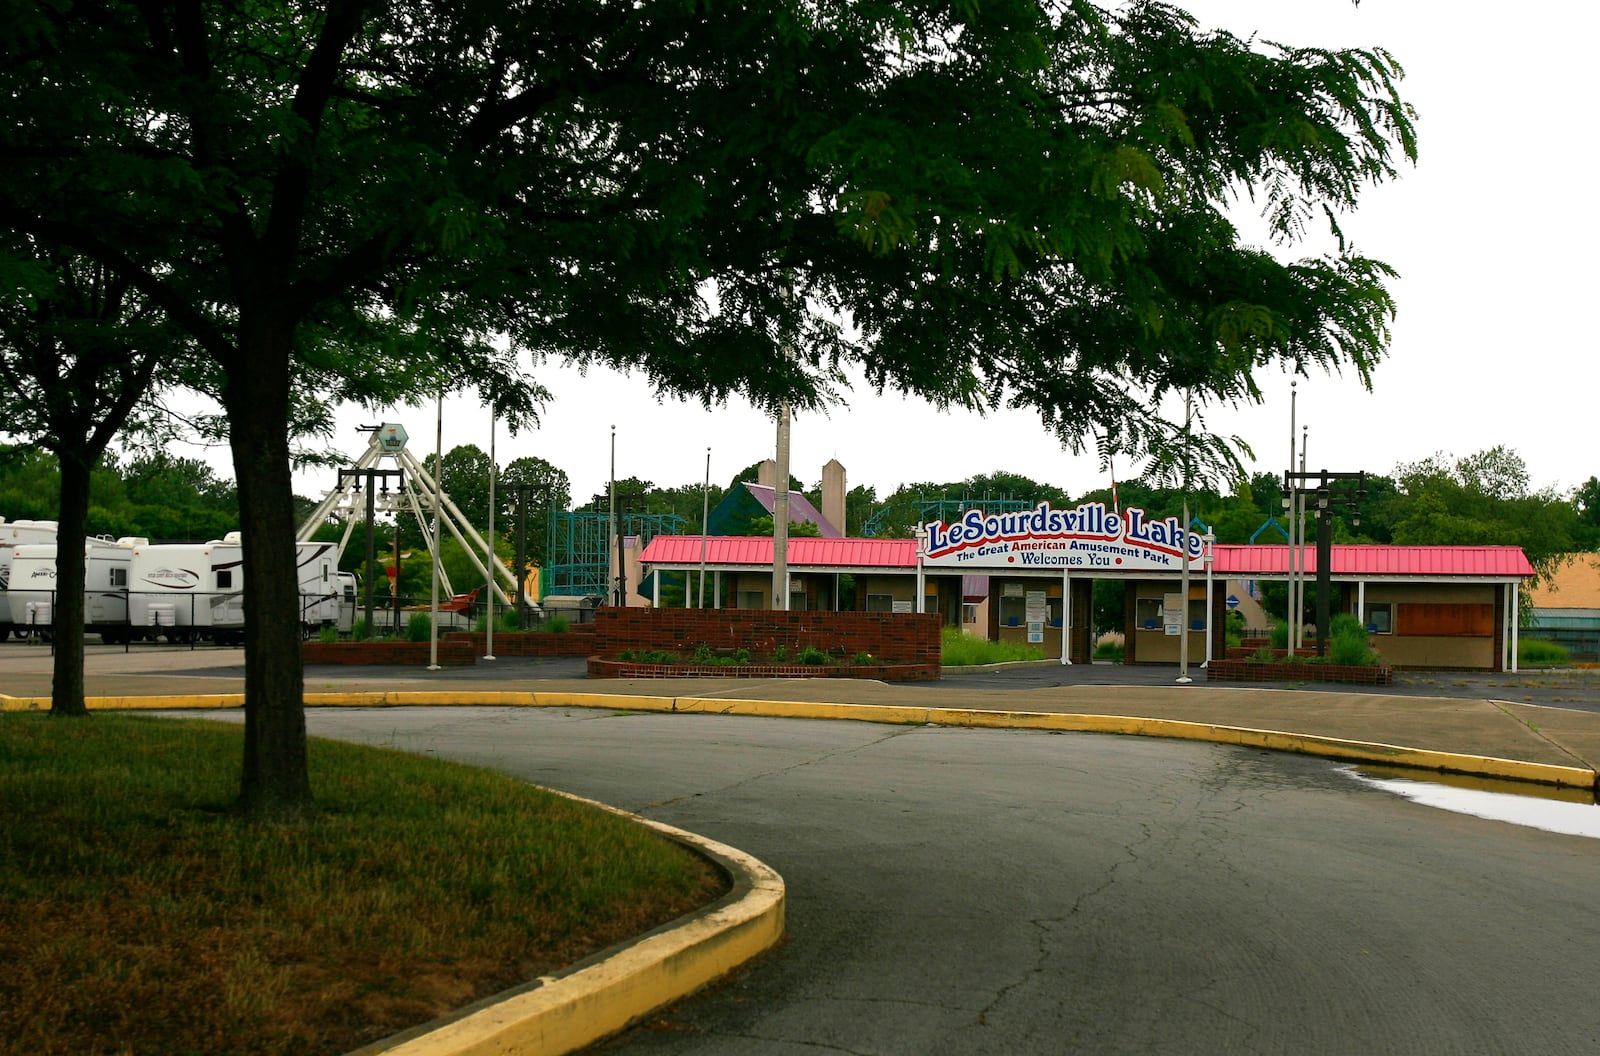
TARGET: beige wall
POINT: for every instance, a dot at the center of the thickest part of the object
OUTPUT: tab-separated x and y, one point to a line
1426	593
1429	651
817	587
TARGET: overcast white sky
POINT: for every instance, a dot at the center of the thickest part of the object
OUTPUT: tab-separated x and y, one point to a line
1491	344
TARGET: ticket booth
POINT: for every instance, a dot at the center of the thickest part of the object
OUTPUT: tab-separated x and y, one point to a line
1029	611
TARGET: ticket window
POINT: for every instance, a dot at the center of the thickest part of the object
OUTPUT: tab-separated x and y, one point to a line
1147	614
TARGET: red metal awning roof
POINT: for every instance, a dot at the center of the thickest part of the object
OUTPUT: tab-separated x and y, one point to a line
1239	561
683	551
1378	560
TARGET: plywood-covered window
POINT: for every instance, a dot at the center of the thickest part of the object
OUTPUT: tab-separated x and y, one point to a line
1444	620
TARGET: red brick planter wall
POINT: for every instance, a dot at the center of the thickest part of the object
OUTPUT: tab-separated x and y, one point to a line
599	668
1267	671
902	639
451	654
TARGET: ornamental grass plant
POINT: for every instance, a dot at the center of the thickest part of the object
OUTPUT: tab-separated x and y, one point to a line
958	649
139	916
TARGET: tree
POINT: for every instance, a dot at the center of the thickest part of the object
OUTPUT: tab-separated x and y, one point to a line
78	351
1586	499
1481	500
1012	202
548	491
763	526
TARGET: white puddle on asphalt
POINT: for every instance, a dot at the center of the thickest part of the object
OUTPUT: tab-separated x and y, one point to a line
1571	811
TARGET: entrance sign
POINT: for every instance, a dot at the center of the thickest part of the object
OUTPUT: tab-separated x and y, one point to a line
1088	536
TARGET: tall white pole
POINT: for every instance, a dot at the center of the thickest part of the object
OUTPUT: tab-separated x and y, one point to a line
1210	560
611	532
705	517
1183	621
780	517
1300	545
489	588
438	501
1288	515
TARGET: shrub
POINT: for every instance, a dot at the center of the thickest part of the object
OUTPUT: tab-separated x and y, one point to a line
359	631
647	656
1280	636
704	654
780	654
1348	643
557	624
1233	629
1540	653
863	660
418	627
1111	650
328	633
813	656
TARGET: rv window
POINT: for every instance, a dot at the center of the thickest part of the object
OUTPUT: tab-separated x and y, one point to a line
225	579
119	577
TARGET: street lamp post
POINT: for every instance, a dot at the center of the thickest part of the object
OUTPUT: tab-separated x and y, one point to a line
371	476
1323	491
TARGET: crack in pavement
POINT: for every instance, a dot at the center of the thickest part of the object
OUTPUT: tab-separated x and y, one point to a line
778	771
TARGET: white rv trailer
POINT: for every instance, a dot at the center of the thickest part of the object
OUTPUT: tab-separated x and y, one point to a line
187	590
12	535
31	592
196	590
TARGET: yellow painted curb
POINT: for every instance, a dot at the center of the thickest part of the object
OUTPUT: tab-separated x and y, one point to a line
599	997
1274	740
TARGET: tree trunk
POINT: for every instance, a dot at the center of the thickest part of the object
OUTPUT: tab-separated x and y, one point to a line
67	611
276	783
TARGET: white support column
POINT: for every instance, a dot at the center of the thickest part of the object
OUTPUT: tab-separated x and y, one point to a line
922	545
1066	615
1512	623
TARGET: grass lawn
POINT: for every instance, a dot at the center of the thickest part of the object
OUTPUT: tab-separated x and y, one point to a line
138	915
